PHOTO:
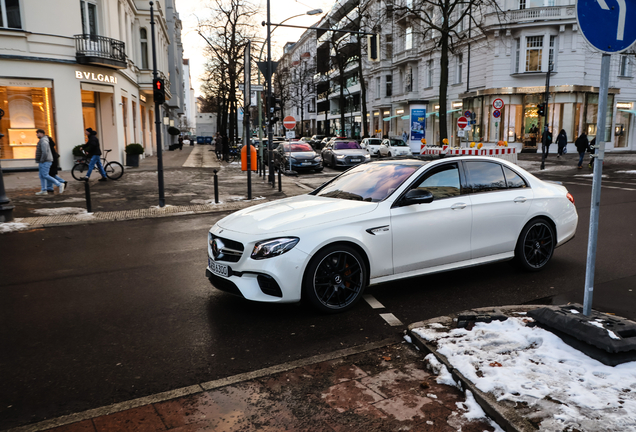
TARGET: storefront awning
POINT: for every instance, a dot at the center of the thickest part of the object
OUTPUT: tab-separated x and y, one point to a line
628	111
406	117
437	112
389	118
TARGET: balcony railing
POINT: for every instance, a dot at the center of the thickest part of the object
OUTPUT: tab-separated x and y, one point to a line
547	13
100	50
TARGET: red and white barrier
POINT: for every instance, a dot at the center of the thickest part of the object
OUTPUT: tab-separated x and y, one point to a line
506	153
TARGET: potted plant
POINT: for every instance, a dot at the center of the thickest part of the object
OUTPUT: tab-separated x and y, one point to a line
78	153
132	154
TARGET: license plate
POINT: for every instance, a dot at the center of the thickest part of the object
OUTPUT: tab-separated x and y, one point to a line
355	160
218	269
305	163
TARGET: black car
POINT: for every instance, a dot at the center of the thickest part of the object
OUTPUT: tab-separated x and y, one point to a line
315	141
275	145
302	157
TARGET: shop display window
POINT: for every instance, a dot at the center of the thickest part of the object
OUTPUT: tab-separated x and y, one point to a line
26	109
591	116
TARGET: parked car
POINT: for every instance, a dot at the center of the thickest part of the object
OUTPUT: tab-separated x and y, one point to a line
344	153
275	145
324	142
315	141
387	220
394	147
302	156
305	139
372	145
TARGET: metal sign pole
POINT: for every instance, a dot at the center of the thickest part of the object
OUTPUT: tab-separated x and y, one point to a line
596	186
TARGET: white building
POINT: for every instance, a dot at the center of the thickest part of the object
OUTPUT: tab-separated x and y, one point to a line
66	65
188	123
509	62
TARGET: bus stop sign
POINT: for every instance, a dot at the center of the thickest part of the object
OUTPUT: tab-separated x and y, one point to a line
608	25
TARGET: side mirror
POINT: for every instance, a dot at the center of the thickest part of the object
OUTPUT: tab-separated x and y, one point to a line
416	196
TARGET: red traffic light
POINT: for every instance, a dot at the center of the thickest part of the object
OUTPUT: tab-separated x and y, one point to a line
158	85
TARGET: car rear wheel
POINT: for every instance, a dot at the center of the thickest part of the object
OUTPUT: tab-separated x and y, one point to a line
335	279
389	154
535	245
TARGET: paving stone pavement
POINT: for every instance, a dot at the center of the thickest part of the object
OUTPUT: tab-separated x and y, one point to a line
386	388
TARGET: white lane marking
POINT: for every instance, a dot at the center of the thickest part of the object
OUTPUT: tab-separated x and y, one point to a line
602	185
373	302
391	319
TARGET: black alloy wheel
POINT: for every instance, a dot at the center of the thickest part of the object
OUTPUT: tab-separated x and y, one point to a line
335	279
535	245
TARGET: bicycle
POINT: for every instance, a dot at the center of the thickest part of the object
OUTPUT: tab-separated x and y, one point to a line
114	170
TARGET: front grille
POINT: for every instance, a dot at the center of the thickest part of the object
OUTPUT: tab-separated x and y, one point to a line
231	251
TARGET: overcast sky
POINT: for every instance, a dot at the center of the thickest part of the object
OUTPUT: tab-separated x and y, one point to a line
193	44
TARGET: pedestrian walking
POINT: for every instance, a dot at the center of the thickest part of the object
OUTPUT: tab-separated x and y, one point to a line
54	166
91	148
180	142
562	142
44	159
405	136
592	150
546	140
581	144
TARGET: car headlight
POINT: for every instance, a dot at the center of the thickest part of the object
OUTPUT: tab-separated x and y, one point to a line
367	156
340	156
318	158
273	247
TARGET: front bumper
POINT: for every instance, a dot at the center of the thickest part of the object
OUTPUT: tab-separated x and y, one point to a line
348	162
299	166
272	280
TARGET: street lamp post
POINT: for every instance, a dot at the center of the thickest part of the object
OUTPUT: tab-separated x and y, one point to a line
270	109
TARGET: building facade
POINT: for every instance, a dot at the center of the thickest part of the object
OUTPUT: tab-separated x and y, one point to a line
66	65
506	58
188	121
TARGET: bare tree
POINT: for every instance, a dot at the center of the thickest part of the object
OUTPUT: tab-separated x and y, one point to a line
443	21
227	31
302	81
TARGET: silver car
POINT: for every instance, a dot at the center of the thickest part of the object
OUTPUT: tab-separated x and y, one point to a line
344	153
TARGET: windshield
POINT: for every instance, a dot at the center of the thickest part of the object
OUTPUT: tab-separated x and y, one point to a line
346	145
298	147
376	141
397	143
369	182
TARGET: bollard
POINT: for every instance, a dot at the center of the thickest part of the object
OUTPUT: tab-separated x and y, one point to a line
87	192
280	183
216	188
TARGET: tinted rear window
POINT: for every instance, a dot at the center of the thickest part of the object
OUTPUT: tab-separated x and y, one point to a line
514	180
298	147
375	141
346	145
485	176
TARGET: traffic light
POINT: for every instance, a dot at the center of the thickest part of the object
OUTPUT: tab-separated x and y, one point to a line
274	105
541	108
373	47
159	90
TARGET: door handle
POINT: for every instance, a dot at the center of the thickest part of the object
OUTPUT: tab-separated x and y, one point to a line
520	199
458	206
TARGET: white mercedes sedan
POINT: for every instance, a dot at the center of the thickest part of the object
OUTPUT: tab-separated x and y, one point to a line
387	220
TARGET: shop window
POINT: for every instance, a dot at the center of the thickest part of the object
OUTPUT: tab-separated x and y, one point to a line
625	67
89	17
591	116
10	14
534	53
26	109
143	39
389	85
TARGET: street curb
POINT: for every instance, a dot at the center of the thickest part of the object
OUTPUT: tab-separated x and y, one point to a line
200	388
506	418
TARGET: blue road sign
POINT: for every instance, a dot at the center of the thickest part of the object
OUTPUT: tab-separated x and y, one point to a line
467	114
608	25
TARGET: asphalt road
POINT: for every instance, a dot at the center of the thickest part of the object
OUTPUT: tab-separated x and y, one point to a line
96	314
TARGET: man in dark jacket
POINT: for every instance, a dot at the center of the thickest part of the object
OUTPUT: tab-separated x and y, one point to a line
562	142
546	140
91	148
581	144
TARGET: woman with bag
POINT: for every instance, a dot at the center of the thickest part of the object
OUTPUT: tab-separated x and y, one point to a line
562	142
54	167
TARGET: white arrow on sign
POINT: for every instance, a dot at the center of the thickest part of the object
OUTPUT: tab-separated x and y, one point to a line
622	13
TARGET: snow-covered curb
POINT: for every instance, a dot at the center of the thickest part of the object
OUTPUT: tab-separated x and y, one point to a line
556	386
8	227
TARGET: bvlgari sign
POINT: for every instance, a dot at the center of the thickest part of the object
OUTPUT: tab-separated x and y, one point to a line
93	77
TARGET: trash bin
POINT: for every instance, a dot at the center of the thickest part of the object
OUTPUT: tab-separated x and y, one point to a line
244	158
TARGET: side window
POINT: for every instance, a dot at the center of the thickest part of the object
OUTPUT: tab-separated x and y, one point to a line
513	179
442	182
485	176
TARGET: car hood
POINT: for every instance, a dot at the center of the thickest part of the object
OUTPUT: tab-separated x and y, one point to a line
292	214
303	155
351	152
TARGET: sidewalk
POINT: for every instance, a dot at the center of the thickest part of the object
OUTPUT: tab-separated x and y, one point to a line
189	189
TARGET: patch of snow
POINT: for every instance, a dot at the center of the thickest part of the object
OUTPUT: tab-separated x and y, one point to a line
443	375
574	311
596	324
520	313
159	207
258	198
408	338
59	211
472	410
436	326
537	369
72	200
626	172
612	335
201	201
431	395
7	227
588	175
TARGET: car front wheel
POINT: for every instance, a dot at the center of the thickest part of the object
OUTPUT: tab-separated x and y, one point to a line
535	245
335	279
